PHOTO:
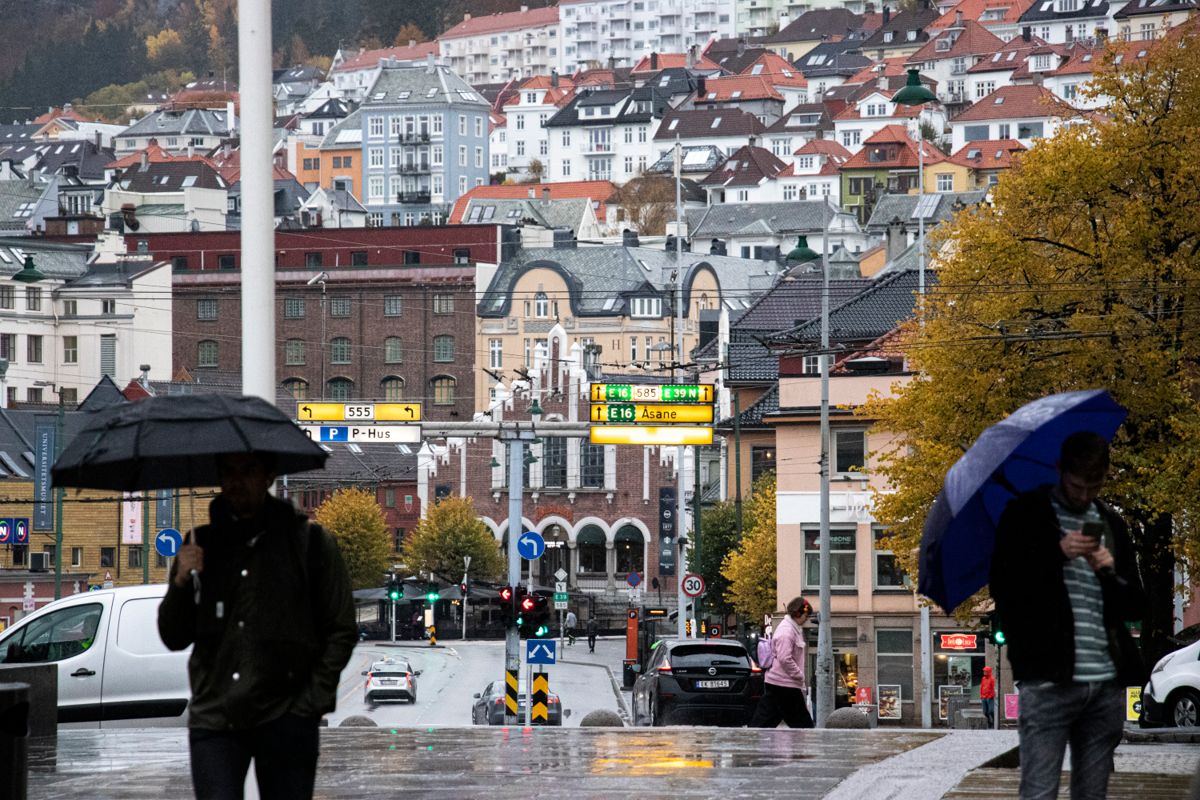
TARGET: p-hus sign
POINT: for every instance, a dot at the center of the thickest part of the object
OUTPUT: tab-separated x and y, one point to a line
958	641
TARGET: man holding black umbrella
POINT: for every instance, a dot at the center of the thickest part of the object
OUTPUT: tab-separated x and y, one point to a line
1065	583
264	596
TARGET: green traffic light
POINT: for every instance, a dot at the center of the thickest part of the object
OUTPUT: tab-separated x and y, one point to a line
998	637
432	597
542	630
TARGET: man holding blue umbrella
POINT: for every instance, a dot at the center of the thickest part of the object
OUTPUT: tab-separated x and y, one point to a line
1065	582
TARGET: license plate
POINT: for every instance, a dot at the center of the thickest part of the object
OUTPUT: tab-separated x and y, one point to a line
712	684
388	682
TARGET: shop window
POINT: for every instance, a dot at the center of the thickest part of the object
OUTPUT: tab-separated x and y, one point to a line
629	544
590	546
958	661
894	660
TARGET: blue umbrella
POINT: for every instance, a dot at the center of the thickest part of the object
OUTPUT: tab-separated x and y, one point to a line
1013	456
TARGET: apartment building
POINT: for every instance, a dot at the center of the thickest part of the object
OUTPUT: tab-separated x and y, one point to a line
620	32
500	47
605	135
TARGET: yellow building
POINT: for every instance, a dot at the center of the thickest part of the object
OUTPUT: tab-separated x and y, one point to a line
977	165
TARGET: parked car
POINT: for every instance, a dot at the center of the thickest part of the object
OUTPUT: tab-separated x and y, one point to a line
489	706
1172	697
390	679
694	682
112	665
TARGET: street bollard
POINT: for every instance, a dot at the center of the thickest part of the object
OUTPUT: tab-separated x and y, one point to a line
14	739
433	636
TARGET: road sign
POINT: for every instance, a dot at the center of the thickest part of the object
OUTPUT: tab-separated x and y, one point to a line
28	603
651	434
108	582
633	579
650	413
168	542
358	412
560	574
693	585
531	545
364	434
560	597
560	587
652	393
540	651
560	605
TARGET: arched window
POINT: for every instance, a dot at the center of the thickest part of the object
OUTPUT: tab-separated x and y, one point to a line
206	353
341	389
293	352
630	550
297	388
443	390
541	306
393	351
339	350
443	349
393	388
590	546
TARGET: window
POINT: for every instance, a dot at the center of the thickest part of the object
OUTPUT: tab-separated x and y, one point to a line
70	349
462	155
33	395
630	549
888	574
392	305
297	388
206	353
1029	130
496	353
293	352
443	390
108	307
33	298
8	297
462	122
541	306
984	88
33	349
8	346
443	349
56	636
375	158
945	181
293	308
762	459
975	133
479	157
135	555
393	350
76	556
591	465
206	309
554	462
443	303
375	187
894	660
375	127
645	307
435	155
226	262
339	350
108	556
849	452
339	306
841	558
312	260
393	388
811	365
851	138
341	389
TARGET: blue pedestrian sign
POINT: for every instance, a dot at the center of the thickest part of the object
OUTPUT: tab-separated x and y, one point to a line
531	545
540	651
167	542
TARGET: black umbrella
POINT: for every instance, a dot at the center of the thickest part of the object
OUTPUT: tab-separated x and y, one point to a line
173	442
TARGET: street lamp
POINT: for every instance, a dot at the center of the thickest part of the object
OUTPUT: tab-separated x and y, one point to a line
915	93
29	273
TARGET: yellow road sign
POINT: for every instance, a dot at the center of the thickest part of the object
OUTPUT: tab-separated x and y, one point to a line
651	434
652	413
652	393
358	412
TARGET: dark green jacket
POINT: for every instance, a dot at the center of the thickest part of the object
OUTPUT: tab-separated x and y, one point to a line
274	625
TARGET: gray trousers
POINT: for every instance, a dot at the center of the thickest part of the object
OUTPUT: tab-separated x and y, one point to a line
1088	716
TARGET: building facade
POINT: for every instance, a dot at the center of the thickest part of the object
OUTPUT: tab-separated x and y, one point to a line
499	47
620	32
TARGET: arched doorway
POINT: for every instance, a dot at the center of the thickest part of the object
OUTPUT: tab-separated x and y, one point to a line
630	545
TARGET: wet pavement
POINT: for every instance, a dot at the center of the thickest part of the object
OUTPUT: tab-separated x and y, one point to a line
579	763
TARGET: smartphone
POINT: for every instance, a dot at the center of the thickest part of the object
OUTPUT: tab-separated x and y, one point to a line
1096	530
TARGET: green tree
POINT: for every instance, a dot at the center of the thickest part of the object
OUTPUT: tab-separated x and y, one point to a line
1076	278
718	537
355	519
750	568
451	530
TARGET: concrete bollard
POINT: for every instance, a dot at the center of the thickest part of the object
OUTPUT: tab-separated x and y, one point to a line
848	718
357	721
601	718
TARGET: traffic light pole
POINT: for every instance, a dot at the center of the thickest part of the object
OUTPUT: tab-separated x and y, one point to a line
516	491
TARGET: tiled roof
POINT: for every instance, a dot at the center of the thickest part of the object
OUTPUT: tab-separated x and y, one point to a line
1009	57
596	191
872	313
154	155
53	157
17	132
825	147
874	149
183	122
369	59
794	301
1015	102
833	58
631	105
899	25
66	112
1137	8
547	82
854	110
507	21
806	118
818	24
989	154
704	123
561	213
1047	10
746	167
976	9
894	67
735	61
904	206
697	160
968	39
752	417
776	69
421	85
171	176
737	88
655	62
783	218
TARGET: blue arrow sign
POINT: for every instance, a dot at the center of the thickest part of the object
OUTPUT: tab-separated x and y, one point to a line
531	545
538	651
335	433
168	542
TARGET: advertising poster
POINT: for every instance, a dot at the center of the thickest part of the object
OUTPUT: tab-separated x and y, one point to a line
1133	703
944	694
889	701
131	518
666	530
1011	706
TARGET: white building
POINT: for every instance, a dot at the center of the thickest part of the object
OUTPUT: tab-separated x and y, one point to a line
874	111
1024	113
500	47
595	31
605	135
352	74
535	102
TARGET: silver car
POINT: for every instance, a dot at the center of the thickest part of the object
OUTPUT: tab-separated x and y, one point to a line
390	679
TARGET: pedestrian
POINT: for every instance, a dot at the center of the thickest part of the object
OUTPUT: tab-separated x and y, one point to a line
1065	583
264	597
593	628
784	696
987	697
572	621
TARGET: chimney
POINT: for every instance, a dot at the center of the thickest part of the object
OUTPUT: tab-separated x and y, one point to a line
145	160
524	9
629	238
554	79
700	87
717	248
1026	33
741	47
691	55
887	15
654	62
546	195
412	42
6	170
98	145
229	116
429	63
897	238
532	193
881	81
958	19
466	17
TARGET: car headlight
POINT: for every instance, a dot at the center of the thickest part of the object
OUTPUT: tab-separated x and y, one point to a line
1162	663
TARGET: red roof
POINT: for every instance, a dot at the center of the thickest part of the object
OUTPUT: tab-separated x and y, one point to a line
899	111
973	40
975	9
889	67
546	82
1015	102
873	154
596	191
369	59
154	155
66	112
508	21
988	154
722	90
776	69
663	61
822	147
1011	56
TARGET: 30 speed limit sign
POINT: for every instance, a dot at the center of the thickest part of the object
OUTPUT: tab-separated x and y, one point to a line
693	585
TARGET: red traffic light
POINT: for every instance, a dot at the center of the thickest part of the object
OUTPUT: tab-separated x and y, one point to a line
506	593
528	603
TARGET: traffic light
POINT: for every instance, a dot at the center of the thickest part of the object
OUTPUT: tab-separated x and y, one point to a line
540	616
431	593
505	593
525	605
393	590
464	588
995	629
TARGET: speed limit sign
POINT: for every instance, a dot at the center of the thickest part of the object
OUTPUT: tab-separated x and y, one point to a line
693	585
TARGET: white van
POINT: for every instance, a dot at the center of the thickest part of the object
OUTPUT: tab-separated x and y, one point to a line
112	666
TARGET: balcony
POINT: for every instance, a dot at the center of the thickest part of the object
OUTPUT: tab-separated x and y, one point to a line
411	137
420	197
597	148
414	168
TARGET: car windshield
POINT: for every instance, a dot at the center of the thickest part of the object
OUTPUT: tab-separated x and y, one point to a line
708	655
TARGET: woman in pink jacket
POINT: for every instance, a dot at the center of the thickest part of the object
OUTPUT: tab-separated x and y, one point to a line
785	681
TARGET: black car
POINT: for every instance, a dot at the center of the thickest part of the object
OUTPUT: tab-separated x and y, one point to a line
697	682
488	708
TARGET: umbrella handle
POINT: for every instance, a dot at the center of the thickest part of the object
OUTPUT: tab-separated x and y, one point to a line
196	586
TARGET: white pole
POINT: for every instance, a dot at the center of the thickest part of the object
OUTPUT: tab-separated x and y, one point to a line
512	637
926	669
258	207
825	682
677	355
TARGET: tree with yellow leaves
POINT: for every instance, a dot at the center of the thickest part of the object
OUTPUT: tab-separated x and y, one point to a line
355	519
750	568
1084	273
450	530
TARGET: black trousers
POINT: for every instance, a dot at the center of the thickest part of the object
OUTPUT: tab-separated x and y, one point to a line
781	703
285	760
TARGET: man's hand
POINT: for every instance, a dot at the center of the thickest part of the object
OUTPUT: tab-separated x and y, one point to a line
190	557
1100	558
1075	544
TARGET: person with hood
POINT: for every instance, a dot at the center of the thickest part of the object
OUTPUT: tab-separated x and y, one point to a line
987	696
786	685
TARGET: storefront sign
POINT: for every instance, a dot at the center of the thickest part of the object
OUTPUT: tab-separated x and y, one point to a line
1011	706
131	518
43	500
1133	703
666	530
889	702
958	641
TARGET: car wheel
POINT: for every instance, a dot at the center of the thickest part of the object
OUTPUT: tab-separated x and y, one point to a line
655	714
1185	711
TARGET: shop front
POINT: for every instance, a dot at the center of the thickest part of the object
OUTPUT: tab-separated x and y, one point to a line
958	661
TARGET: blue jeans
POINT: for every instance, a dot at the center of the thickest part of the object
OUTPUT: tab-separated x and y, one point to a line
285	760
989	710
1090	716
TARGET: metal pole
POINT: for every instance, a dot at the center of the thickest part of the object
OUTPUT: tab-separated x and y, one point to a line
920	211
696	508
737	462
926	670
392	608
825	683
258	223
999	692
512	637
145	538
58	502
677	353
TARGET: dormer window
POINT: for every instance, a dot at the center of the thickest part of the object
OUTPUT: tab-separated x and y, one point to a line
889	36
912	36
943	45
645	307
1066	6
